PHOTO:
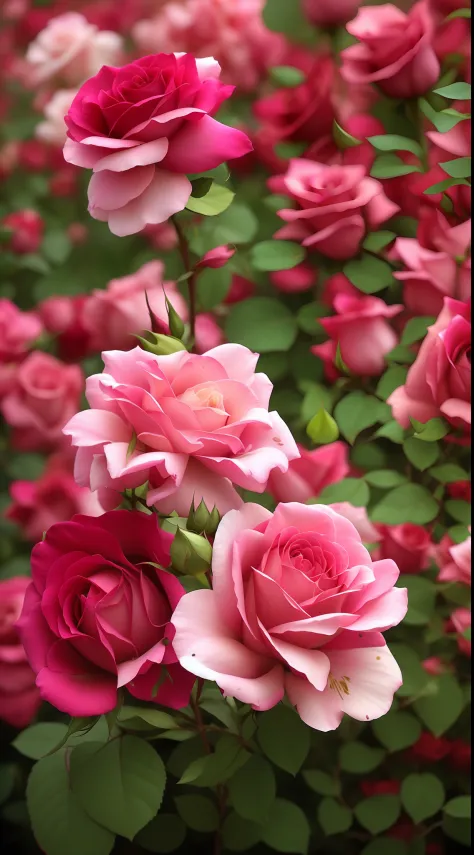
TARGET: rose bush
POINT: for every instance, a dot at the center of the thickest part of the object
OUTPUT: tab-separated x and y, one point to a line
19	697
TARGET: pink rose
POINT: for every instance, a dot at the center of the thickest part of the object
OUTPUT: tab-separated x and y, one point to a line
330	12
338	205
72	49
309	474
454	560
63	317
97	614
439	381
217	257
297	607
27	229
299	278
437	264
19	697
360	126
361	329
359	519
18	331
232	32
53	128
201	424
460	622
240	289
141	128
395	50
208	333
408	545
45	394
114	314
54	497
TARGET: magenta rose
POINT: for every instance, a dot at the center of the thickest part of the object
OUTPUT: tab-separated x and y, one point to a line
19	697
338	205
310	473
187	424
439	381
395	50
18	330
44	395
330	12
454	560
142	128
297	607
408	545
97	614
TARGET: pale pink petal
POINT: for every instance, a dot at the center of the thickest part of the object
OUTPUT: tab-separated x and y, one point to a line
384	612
93	427
374	677
313	664
320	710
143	155
167	194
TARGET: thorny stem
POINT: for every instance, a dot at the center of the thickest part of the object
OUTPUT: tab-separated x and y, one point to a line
192	281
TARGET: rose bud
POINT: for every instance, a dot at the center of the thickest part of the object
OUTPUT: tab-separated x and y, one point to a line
217	257
191	554
27	230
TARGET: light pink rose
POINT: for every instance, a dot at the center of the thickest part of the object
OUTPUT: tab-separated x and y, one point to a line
208	333
18	330
201	425
114	314
27	228
19	697
408	545
362	330
330	12
297	607
394	50
310	473
45	394
233	32
359	519
54	497
53	128
338	205
461	621
438	264
439	381
72	49
142	128
454	560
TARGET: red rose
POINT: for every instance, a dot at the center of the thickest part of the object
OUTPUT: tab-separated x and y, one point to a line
408	545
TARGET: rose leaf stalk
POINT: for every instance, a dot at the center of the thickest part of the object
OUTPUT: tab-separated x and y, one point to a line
192	276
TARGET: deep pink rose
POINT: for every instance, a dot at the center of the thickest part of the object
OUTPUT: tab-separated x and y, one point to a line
64	318
240	289
439	381
217	257
360	126
19	697
201	424
299	278
310	473
394	50
460	622
54	497
18	330
27	229
362	330
297	607
114	314
408	545
338	205
329	12
142	128
97	614
44	395
208	332
454	560
72	49
437	263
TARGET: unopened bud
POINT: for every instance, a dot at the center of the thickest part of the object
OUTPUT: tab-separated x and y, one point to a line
161	345
203	521
175	323
191	554
156	324
217	257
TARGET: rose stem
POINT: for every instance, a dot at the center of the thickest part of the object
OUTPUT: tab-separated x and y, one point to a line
191	281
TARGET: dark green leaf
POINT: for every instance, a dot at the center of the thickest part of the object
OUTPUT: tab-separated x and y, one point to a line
201	187
276	255
421	454
321	782
459	510
252	789
198	812
422	796
358	758
449	473
358	411
287	829
342	138
415	329
421	599
460	167
239	834
39	739
353	490
288	753
395	142
385	478
391	166
408	503
397	730
7	781
378	813
378	240
415	678
441	709
333	817
263	324
165	833
369	274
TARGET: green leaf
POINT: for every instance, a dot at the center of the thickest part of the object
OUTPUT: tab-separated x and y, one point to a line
105	781
459	807
460	167
333	817
288	753
288	150
239	834
282	17
391	166
201	187
455	91
391	431
216	767
252	789
401	353
442	186
459	13
214	202
415	678
276	255
213	285
449	473
353	490
7	781
397	730
441	709
308	318
39	739
385	846
287	75
422	796
321	782
395	142
342	138
287	829
358	411
369	274
385	478
421	454
56	246
378	240
378	813
458	533
408	503
459	510
58	820
415	329
198	812
458	827
236	225
322	428
275	365
262	324
152	717
358	758
26	467
165	833
421	599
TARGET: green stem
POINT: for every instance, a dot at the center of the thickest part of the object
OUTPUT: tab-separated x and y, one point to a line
192	280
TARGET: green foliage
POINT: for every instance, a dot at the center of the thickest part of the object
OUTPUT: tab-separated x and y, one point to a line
442	707
287	829
397	730
276	255
214	202
358	758
165	833
333	817
422	796
286	75
378	813
369	274
407	503
198	812
358	411
39	739
288	753
262	323
252	789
